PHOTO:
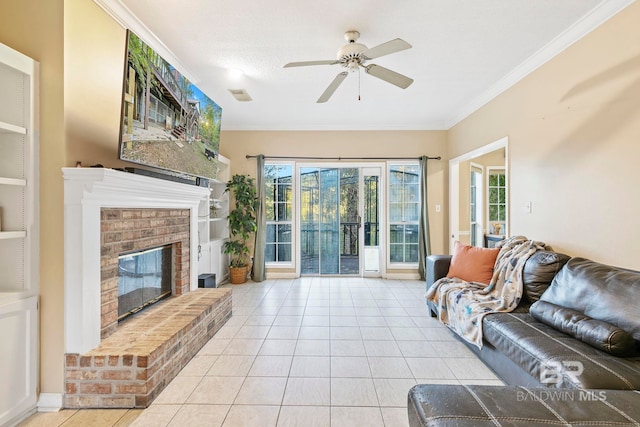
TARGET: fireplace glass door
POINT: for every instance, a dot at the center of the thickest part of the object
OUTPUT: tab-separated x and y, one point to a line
144	277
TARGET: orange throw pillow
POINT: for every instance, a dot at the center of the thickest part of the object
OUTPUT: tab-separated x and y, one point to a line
472	264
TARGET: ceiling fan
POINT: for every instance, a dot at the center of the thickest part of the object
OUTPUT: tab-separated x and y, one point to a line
355	55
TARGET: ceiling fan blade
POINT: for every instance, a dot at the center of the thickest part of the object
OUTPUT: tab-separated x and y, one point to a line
392	46
389	76
332	87
307	63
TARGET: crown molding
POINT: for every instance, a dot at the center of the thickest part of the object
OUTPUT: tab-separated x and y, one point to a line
592	20
123	16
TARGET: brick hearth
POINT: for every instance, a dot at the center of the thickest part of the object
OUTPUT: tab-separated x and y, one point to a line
130	368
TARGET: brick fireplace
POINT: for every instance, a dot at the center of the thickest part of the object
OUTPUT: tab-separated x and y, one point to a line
107	213
126	230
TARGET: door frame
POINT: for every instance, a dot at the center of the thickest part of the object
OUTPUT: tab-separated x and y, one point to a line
454	185
382	214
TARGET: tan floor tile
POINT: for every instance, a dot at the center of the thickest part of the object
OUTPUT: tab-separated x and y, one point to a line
350	367
271	366
243	346
178	390
353	392
198	366
200	416
215	346
310	367
154	415
261	391
469	369
395	417
252	415
313	348
347	348
308	391
232	366
393	392
216	390
355	416
283	333
278	347
381	348
304	416
389	367
432	367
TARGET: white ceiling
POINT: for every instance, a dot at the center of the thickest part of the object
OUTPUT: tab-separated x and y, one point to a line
464	53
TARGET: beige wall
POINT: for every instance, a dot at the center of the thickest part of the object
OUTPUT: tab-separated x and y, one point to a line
573	128
237	144
34	27
94	68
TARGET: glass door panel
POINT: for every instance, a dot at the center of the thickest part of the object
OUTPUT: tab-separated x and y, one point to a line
329	220
309	220
349	221
371	218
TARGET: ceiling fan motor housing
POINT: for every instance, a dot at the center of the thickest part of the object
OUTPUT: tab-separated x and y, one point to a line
352	53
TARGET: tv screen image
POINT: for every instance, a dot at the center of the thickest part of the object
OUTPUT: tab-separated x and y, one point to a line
167	122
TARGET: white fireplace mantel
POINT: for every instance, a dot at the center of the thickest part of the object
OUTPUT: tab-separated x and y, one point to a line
86	191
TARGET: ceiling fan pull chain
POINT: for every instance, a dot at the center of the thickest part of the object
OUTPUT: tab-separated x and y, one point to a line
358	83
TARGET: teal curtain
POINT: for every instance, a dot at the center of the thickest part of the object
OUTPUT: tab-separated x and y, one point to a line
258	272
424	245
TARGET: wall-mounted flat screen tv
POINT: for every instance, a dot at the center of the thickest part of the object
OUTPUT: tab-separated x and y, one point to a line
166	122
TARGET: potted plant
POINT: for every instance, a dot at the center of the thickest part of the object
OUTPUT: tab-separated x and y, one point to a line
242	224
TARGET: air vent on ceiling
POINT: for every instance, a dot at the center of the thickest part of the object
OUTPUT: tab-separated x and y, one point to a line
240	94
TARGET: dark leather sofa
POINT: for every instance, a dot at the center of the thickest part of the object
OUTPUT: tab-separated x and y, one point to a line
577	328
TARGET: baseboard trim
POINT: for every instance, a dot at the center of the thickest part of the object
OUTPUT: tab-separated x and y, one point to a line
402	276
50	402
276	275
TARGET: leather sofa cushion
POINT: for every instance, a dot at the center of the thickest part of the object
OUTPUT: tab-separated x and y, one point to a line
596	333
437	405
532	345
539	271
600	291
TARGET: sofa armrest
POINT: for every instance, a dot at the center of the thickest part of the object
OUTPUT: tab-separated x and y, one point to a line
437	268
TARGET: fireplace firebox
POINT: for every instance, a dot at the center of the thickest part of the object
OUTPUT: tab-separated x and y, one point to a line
144	278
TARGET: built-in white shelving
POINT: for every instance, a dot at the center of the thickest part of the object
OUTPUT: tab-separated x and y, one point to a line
213	226
19	245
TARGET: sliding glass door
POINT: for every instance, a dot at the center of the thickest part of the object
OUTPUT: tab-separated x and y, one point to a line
329	220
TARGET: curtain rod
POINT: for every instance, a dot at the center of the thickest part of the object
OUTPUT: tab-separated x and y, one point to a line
249	156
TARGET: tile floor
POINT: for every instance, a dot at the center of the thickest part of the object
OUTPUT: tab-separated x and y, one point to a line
307	352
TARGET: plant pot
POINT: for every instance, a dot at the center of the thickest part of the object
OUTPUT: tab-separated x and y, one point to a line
237	275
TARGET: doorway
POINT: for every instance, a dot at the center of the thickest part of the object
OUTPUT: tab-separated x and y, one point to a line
458	197
339	219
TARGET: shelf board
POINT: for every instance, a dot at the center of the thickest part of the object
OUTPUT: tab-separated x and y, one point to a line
9	128
13	181
12	234
218	240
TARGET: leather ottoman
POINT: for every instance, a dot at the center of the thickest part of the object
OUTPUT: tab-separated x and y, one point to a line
479	406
